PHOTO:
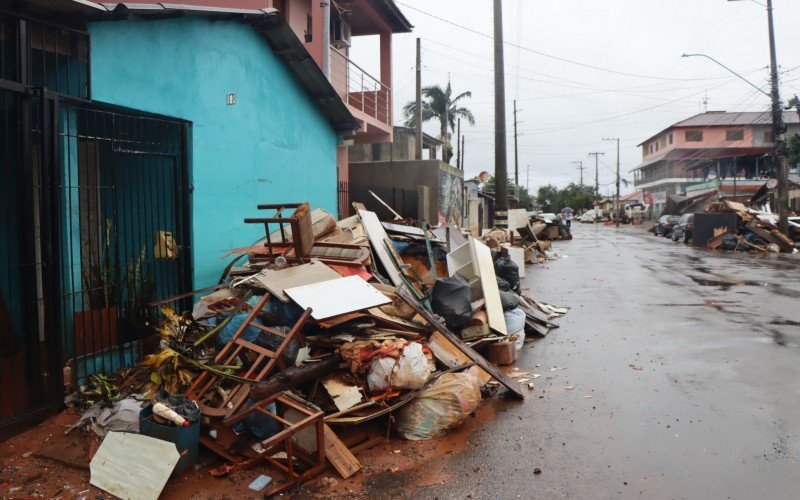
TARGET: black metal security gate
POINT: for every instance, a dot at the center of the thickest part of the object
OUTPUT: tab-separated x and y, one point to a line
94	225
123	199
28	347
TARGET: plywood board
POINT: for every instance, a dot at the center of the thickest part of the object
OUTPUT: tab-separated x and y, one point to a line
517	256
291	277
133	466
377	236
450	356
335	297
484	266
339	455
517	217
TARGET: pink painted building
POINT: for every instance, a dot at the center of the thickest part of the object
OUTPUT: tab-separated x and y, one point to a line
709	151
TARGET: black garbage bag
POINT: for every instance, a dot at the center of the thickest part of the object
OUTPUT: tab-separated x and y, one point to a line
509	300
503	285
506	269
451	300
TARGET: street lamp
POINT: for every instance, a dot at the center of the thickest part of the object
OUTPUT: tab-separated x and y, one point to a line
728	69
778	126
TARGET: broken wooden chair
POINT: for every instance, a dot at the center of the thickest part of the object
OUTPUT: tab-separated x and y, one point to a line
263	362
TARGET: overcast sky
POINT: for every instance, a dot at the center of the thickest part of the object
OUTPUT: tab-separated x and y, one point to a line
566	108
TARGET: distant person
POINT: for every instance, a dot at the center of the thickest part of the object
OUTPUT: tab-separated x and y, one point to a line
568	218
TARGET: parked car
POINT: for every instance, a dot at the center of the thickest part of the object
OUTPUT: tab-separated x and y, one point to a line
683	229
590	216
665	225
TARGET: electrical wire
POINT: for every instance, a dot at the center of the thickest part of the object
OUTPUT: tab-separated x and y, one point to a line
551	56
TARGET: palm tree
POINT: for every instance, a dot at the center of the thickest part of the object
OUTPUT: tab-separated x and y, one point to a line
440	104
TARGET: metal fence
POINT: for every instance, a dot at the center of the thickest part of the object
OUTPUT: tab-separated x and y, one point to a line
124	232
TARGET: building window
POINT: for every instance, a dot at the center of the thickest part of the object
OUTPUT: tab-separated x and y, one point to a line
694	136
768	137
734	135
669	137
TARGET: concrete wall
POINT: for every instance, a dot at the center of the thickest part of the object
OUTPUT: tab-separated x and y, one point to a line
405	175
273	145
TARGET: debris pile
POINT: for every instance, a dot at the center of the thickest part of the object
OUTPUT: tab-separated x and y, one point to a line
323	326
755	230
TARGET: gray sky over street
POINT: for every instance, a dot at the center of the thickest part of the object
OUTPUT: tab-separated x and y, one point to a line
639	84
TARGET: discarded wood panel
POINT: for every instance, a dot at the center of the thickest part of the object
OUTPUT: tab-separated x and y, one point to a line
344	394
517	217
473	356
401	229
345	463
451	356
491	293
770	237
536	327
291	277
454	232
517	256
133	466
336	297
378	238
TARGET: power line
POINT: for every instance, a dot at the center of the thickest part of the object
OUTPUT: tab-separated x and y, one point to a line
551	56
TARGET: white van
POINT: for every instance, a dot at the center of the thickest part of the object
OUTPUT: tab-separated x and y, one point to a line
591	216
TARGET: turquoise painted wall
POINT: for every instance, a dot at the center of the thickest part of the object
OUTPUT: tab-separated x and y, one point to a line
272	146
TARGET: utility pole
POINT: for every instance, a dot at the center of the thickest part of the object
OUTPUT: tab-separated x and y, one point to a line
616	200
500	167
528	180
418	131
581	168
463	143
458	143
596	174
516	153
778	130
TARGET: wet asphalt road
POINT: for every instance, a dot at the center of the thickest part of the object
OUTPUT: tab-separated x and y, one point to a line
714	411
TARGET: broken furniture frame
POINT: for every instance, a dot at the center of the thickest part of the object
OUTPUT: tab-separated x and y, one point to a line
302	235
264	364
282	441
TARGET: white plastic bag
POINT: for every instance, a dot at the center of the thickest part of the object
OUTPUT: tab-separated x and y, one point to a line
410	371
444	405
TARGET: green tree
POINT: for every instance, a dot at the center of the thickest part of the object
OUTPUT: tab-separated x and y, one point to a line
574	196
439	104
793	145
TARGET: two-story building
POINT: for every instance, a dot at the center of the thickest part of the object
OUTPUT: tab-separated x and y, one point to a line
136	139
730	153
367	96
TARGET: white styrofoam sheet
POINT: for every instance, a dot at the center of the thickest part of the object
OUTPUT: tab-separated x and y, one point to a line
335	297
133	466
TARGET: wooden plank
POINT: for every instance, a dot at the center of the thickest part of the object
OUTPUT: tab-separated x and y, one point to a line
484	266
473	356
337	297
291	277
133	466
377	236
451	356
339	455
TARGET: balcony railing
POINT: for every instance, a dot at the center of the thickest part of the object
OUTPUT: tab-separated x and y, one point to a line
359	89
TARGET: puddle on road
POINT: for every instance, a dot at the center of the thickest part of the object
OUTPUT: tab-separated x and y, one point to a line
784	322
719	306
